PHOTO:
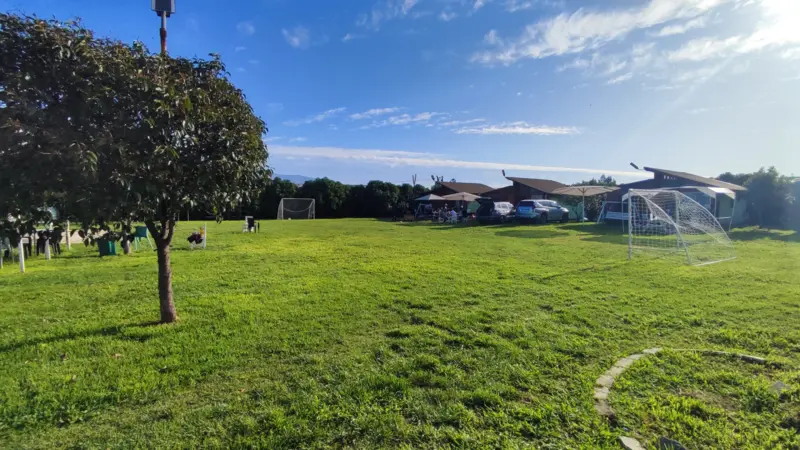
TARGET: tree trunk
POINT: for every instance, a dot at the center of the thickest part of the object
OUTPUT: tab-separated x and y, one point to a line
168	313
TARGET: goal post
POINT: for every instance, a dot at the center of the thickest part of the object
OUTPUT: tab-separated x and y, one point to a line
296	208
668	222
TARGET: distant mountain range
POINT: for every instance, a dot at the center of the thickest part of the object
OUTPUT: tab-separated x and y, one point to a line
296	179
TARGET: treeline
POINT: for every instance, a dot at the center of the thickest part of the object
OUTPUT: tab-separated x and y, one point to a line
376	199
771	199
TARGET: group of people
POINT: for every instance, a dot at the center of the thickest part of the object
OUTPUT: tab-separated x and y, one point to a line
454	214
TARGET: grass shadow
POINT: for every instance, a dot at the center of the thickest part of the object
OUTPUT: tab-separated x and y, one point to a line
111	331
541	233
754	234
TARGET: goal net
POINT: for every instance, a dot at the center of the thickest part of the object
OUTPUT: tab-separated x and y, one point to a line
296	208
665	222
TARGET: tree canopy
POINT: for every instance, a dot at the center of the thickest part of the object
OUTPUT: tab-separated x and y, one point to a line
113	134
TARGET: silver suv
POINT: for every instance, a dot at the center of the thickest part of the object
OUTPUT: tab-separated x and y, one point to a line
542	211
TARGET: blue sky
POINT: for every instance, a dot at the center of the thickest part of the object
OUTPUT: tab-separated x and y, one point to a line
561	89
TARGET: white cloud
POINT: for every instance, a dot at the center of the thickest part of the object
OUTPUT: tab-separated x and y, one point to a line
577	63
518	128
519	5
384	11
698	75
478	4
587	30
704	48
779	27
239	49
253	62
491	38
374	113
447	16
246	28
298	139
621	79
241	69
792	53
614	67
671	30
350	36
315	118
415	159
298	37
458	123
422	118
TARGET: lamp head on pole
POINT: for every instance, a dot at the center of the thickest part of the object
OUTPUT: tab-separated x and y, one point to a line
163	7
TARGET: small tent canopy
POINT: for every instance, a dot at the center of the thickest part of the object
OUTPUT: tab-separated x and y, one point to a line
429	198
461	197
583	192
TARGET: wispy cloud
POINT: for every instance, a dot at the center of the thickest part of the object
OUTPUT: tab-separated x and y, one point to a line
423	118
478	4
350	36
298	139
621	79
385	10
518	128
672	30
459	123
247	28
415	159
315	118
519	5
792	53
253	62
447	16
587	30
374	113
239	49
297	37
704	48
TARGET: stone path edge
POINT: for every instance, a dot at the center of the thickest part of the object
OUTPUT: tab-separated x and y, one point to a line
604	382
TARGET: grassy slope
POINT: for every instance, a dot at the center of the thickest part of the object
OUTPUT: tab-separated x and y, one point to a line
362	333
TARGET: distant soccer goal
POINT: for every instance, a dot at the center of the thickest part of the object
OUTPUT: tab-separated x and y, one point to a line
666	222
296	208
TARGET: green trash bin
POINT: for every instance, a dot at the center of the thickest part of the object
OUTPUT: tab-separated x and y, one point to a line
106	247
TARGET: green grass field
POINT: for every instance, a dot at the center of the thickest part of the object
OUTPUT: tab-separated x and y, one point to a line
366	334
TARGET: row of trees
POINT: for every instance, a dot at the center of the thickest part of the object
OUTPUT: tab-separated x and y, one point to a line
336	200
769	200
111	134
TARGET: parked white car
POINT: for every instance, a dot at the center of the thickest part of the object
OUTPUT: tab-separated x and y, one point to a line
504	208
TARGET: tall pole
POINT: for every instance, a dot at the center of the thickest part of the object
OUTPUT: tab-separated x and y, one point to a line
163	32
21	250
630	222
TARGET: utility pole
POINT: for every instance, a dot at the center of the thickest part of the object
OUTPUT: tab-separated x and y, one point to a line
164	9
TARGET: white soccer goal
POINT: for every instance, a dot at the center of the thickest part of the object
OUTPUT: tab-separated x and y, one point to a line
666	222
296	208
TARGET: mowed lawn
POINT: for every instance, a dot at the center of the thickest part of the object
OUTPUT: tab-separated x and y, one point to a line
367	334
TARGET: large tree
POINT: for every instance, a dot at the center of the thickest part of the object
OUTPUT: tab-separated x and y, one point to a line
122	135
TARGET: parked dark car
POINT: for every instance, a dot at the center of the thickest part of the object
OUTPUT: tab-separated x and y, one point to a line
541	211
